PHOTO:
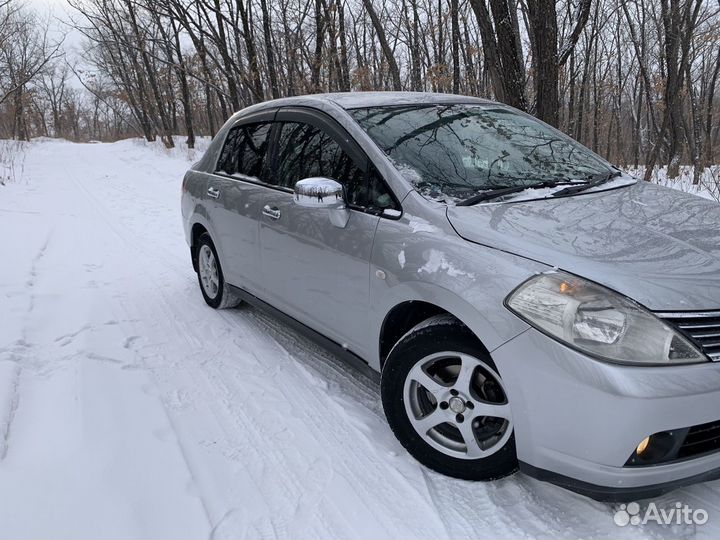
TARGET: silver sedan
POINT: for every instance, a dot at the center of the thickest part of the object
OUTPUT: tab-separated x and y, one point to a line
526	304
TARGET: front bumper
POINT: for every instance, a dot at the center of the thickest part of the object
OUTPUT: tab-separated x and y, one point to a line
578	420
615	493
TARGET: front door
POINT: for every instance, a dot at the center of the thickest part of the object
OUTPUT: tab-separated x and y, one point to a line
318	272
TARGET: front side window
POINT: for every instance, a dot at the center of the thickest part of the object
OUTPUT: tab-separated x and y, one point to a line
306	151
245	150
452	152
299	153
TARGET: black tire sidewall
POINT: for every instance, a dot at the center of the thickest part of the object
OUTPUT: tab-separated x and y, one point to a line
401	360
205	240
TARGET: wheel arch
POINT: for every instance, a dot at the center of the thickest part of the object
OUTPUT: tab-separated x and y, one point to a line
405	316
400	307
196	231
197	224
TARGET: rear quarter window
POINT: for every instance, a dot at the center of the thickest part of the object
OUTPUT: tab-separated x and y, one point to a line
245	151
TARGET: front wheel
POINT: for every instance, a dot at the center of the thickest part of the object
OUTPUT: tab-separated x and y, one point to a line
446	402
212	283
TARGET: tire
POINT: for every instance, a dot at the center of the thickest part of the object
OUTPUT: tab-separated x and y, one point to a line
439	375
210	276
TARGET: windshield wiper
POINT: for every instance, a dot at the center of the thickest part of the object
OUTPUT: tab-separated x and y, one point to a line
500	192
587	185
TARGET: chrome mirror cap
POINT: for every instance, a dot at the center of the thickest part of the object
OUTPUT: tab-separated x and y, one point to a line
318	192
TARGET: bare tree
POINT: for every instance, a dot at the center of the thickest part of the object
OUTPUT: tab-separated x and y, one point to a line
635	80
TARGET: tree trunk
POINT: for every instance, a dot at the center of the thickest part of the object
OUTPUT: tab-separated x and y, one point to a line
454	15
490	49
511	60
384	45
269	52
543	22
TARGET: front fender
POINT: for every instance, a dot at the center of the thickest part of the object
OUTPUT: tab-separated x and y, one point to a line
431	263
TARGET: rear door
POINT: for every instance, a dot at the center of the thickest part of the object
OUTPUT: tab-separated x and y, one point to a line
239	190
315	271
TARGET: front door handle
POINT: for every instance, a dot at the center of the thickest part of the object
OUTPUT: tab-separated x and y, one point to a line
213	192
271	212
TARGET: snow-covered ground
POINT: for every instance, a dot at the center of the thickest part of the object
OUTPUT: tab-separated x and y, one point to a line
129	409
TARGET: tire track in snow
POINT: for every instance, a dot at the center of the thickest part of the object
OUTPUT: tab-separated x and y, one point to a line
10	370
32	279
247	423
218	377
9	396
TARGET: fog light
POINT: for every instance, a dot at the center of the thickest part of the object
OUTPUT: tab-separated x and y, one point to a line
643	445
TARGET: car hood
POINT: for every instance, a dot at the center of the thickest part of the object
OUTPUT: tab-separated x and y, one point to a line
656	245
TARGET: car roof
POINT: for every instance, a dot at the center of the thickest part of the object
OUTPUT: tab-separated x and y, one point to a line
355	100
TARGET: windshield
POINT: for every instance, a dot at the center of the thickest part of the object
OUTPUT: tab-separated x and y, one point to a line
451	152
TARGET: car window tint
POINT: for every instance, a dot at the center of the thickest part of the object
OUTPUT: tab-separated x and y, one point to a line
227	163
362	189
377	195
252	148
306	151
336	164
244	150
299	153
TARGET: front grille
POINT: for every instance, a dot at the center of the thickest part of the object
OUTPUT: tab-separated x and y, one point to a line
702	327
701	439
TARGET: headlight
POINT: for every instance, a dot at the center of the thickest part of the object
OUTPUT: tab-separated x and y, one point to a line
599	321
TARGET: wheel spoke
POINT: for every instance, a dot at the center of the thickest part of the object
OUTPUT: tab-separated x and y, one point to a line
467	368
495	410
429	421
418	375
468	435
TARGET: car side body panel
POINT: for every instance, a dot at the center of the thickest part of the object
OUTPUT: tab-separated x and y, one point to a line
421	258
235	219
316	272
193	208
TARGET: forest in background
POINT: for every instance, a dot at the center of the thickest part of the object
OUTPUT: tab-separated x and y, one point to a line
636	80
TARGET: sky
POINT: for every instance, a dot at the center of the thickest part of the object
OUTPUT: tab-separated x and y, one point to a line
59	13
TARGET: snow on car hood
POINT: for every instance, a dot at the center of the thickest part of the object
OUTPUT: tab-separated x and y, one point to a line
659	246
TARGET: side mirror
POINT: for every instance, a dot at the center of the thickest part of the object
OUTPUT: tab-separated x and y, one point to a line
318	192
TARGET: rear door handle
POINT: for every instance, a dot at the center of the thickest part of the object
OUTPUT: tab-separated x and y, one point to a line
271	212
213	192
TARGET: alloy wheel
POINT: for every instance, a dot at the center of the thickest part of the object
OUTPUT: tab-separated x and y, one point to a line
458	405
208	269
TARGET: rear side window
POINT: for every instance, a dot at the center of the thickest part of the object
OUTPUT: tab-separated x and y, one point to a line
245	151
228	161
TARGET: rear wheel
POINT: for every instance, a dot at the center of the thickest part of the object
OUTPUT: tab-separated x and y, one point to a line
446	402
210	276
